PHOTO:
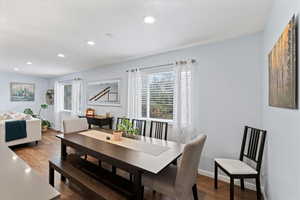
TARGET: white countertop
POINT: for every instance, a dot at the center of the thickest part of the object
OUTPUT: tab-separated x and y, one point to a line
19	181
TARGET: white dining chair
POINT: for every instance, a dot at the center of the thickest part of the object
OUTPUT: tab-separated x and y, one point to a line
75	125
179	182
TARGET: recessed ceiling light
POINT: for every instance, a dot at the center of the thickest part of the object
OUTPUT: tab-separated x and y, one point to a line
149	20
91	43
16	69
29	63
60	55
27	170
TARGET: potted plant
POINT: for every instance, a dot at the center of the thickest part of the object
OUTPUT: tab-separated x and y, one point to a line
45	125
42	107
117	135
28	111
126	127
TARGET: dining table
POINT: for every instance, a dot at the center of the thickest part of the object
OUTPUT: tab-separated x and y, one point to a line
136	155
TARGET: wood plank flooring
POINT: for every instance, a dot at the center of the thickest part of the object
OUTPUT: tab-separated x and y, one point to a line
37	157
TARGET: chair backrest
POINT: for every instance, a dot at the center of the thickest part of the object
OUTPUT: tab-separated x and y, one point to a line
120	120
253	145
159	130
188	168
140	125
74	125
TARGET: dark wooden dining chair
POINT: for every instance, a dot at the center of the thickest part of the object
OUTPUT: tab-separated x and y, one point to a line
159	130
140	125
252	149
120	120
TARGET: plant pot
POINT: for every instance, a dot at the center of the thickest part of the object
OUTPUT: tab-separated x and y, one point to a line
117	135
44	128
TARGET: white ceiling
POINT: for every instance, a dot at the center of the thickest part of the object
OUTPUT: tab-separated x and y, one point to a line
37	30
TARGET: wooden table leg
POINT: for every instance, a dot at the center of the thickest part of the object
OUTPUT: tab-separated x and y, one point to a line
51	175
231	188
138	186
216	176
63	157
63	151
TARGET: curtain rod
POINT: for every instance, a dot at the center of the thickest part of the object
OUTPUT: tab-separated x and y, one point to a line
181	62
74	79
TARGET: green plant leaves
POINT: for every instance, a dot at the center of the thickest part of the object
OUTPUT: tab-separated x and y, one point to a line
127	126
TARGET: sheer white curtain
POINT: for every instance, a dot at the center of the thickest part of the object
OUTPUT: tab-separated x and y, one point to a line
183	126
134	94
77	97
58	104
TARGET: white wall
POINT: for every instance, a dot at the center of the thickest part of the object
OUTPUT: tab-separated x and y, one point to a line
228	90
41	86
283	125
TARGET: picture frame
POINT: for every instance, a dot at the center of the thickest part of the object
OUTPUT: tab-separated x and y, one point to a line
283	68
104	93
21	92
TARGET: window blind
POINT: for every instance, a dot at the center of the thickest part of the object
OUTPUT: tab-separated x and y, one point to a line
158	95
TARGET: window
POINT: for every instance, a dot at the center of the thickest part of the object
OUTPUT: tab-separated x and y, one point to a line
68	97
158	95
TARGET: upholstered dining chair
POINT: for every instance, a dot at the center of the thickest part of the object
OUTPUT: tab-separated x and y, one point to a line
179	182
252	149
75	125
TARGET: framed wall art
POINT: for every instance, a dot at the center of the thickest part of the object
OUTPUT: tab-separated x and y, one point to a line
22	92
283	81
104	93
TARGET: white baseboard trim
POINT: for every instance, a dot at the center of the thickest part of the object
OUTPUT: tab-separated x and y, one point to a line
226	179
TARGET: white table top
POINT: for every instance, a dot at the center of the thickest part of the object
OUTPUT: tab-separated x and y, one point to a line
19	181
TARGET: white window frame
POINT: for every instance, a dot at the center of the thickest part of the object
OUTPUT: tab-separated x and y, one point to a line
148	118
63	99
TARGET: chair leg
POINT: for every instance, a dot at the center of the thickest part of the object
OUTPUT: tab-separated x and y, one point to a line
51	175
231	188
113	170
195	192
216	176
130	177
258	190
242	184
143	192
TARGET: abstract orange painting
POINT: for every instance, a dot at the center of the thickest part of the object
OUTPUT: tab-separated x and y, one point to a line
283	69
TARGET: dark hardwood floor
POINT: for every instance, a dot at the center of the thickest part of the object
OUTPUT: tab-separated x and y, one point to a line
37	157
